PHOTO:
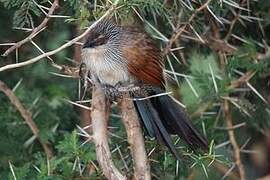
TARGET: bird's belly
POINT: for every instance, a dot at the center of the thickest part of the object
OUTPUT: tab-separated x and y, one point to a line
111	77
108	73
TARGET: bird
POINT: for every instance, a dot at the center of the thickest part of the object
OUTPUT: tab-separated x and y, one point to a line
115	54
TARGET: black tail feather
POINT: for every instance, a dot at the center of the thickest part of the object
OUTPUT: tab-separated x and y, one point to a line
146	116
155	127
177	121
163	115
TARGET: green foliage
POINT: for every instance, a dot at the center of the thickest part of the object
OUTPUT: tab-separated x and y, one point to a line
71	146
71	158
245	59
206	82
83	15
75	4
205	86
24	13
146	8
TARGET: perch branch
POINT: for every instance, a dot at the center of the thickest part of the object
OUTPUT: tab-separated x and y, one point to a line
99	116
135	139
233	21
36	30
232	139
27	116
224	170
243	79
69	43
178	32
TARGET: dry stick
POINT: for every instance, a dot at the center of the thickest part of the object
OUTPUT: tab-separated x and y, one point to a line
234	84
99	115
233	22
35	31
69	43
223	169
27	116
178	33
232	139
243	79
135	139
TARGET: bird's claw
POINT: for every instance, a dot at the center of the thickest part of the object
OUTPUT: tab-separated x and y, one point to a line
117	91
111	92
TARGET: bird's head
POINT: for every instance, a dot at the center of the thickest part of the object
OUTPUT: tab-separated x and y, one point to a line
102	41
104	33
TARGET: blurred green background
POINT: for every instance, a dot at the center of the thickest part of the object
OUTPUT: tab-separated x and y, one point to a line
224	41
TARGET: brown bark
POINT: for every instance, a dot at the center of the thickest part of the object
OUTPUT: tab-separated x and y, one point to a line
232	139
36	30
27	116
135	139
85	116
99	114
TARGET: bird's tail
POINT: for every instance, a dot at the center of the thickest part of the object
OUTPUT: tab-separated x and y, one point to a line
162	116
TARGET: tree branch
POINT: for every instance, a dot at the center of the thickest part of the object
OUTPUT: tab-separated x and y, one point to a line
69	43
27	116
36	30
100	115
232	139
180	30
135	139
224	170
243	79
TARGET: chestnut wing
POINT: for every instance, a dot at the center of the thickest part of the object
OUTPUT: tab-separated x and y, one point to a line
143	59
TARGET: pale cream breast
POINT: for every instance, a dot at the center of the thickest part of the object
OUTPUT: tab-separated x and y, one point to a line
107	71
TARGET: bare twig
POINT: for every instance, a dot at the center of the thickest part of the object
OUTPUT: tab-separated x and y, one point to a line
233	21
36	30
232	24
232	139
135	139
100	117
27	116
12	170
178	32
225	170
69	43
243	79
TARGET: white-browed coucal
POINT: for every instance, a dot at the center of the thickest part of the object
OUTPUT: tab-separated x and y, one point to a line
125	55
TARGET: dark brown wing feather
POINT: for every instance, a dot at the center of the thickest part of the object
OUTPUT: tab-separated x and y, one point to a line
143	58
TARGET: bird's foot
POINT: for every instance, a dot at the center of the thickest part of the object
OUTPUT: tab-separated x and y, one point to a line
111	92
134	90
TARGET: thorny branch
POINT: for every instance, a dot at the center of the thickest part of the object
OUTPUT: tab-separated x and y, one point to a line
27	116
236	148
234	84
227	112
178	32
214	43
100	109
135	139
100	115
243	79
233	22
69	43
36	30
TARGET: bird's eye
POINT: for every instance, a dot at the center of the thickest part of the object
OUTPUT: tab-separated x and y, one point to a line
98	41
